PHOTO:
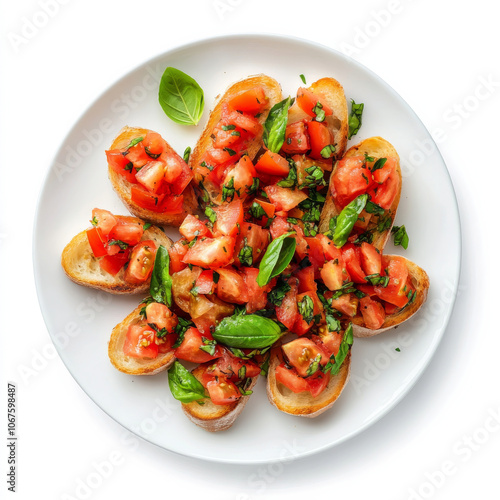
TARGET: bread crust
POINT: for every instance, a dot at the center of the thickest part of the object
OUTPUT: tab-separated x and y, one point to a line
273	91
129	365
123	188
211	417
303	404
420	280
376	147
81	267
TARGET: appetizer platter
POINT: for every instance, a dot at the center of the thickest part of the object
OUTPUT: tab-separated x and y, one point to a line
251	255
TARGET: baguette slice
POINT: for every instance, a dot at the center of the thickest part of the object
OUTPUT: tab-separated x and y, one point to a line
420	280
123	187
338	123
135	366
83	268
211	417
303	404
272	90
377	148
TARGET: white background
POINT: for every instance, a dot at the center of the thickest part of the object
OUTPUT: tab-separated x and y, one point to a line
442	441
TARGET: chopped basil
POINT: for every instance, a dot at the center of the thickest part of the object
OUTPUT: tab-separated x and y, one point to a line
152	155
228	190
327	151
256	210
306	308
246	254
228	127
373	208
314	366
94	221
208	346
211	214
378	164
303	78
182	326
319	112
400	236
291	179
133	142
120	243
231	152
146	226
277	294
355	118
187	154
377	280
345	346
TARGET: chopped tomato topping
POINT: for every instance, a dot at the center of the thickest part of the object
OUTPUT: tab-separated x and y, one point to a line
296	139
272	164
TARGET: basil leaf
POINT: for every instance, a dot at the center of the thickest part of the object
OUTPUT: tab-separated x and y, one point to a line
303	78
187	154
247	331
347	218
345	346
133	142
400	236
373	208
185	387
275	125
181	97
161	281
378	164
355	118
278	255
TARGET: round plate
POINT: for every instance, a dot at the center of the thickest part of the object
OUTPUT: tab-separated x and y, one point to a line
80	320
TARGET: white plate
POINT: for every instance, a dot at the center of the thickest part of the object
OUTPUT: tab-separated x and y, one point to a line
80	320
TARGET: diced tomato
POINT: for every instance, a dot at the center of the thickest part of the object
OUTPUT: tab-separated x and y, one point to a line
242	176
215	156
223	392
332	275
396	292
182	284
173	166
193	227
227	136
351	178
140	342
161	316
302	326
352	258
308	100
211	252
288	311
205	284
347	304
244	121
105	220
362	222
253	236
330	251
112	264
251	101
190	348
231	368
269	208
212	316
319	137
97	242
137	155
373	312
172	204
184	178
229	218
328	341
145	199
272	164
301	353
296	139
256	295
389	308
371	260
231	286
382	174
176	253
151	175
128	232
385	194
284	198
315	253
141	264
154	144
121	165
318	383
306	279
290	379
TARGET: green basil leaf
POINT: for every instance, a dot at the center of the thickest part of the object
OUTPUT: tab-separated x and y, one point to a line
275	125
347	218
181	97
247	331
278	255
303	78
161	281
373	208
355	118
185	387
345	346
187	154
400	236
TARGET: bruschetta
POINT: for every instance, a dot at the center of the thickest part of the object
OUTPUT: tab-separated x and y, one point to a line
371	167
150	178
142	344
307	375
116	254
234	129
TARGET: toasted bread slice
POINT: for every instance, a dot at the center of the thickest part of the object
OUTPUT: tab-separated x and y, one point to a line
213	417
375	147
338	123
130	365
302	404
123	187
420	281
82	267
272	90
